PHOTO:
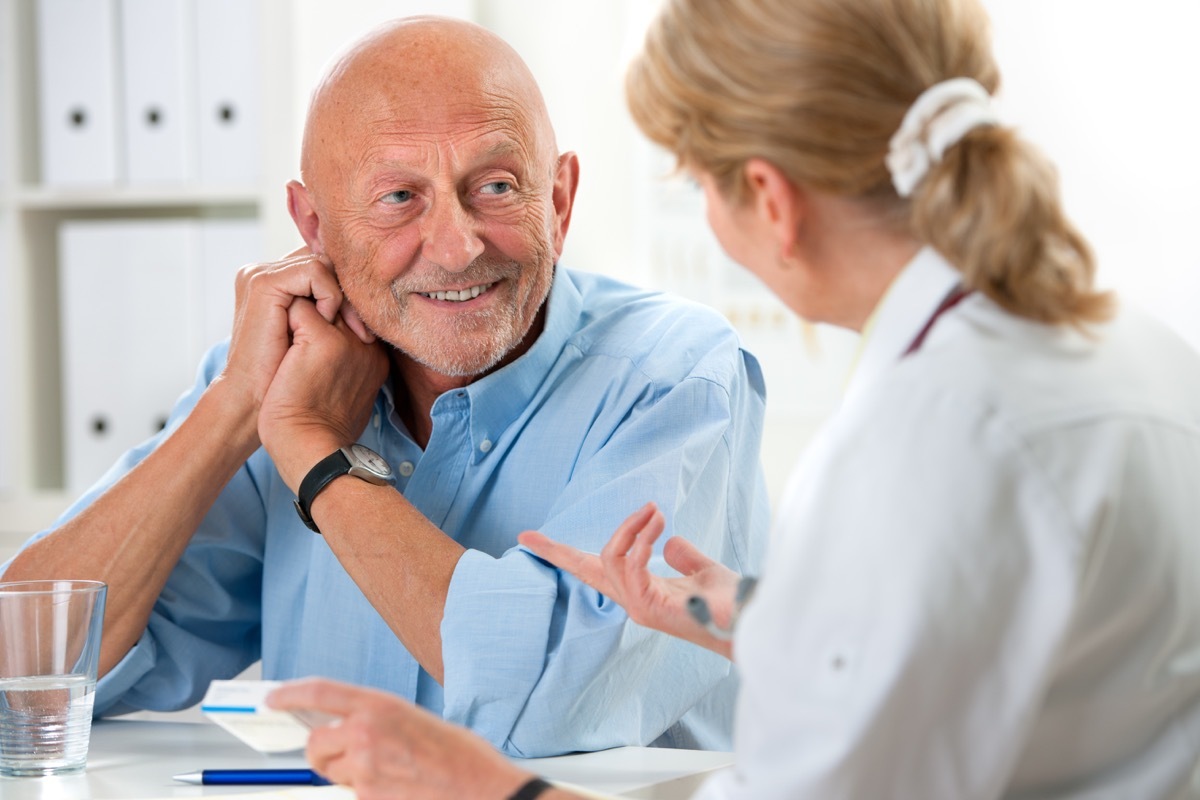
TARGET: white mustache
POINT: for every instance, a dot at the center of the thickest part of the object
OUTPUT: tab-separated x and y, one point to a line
481	274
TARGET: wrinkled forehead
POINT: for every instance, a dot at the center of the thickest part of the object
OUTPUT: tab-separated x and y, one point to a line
428	109
421	82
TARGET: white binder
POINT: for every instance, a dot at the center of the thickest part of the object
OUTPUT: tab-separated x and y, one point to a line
228	43
77	92
141	301
157	63
225	245
123	287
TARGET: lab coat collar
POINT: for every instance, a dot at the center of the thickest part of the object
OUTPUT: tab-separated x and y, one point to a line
906	306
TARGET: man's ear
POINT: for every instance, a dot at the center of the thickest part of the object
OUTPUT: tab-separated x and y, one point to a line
778	202
566	181
304	214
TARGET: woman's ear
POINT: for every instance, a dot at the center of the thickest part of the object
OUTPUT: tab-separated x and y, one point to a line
777	201
304	214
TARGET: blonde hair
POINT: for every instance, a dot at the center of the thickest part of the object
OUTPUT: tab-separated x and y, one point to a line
818	88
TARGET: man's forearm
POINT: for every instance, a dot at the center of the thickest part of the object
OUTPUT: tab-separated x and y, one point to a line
132	536
400	560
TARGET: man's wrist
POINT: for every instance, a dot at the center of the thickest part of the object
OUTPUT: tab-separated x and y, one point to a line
357	460
302	463
217	410
297	450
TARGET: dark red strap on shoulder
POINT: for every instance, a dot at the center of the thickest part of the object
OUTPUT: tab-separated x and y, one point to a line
956	296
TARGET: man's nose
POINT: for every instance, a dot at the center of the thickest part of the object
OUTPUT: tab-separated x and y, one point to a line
450	235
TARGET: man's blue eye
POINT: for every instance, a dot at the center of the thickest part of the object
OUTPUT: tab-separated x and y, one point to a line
400	196
497	187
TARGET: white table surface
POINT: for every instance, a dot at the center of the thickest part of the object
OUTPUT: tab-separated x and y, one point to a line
133	760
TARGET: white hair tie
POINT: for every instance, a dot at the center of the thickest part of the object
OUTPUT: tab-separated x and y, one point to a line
936	121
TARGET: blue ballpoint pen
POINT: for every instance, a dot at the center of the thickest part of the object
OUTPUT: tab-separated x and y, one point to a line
219	777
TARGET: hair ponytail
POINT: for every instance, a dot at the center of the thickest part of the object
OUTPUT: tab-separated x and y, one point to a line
991	207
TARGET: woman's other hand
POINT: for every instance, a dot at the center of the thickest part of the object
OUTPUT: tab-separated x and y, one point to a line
386	748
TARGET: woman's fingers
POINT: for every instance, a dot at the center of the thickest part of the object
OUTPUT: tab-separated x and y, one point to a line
325	748
627	532
326	743
319	694
637	575
585	566
647	535
621	570
683	556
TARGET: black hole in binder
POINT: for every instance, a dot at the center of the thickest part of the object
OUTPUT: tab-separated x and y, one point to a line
99	426
160	424
153	116
78	117
225	113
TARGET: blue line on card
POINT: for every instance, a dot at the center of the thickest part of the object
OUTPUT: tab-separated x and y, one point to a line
228	709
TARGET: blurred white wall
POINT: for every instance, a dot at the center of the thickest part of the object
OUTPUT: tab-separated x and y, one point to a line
1109	90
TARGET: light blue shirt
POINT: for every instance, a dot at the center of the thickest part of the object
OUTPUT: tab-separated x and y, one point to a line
627	396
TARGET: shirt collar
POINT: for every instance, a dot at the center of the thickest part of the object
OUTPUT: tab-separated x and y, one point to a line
906	306
497	398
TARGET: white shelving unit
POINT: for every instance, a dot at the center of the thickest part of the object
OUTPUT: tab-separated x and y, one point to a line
31	442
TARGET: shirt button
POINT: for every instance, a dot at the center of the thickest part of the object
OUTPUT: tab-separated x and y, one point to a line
406	468
376	420
485	445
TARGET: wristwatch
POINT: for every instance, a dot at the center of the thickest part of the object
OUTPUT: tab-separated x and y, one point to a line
357	460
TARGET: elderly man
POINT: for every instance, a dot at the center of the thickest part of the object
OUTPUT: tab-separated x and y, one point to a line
419	384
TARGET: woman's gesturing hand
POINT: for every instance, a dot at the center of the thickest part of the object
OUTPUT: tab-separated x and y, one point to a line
621	572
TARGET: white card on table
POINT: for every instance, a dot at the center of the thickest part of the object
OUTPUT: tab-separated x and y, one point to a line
240	708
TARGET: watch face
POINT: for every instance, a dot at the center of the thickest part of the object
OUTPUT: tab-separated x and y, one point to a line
371	460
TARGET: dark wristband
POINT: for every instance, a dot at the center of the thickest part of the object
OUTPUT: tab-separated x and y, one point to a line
530	789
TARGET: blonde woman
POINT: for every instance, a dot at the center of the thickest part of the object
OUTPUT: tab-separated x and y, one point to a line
984	580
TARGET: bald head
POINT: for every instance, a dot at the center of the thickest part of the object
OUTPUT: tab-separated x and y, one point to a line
433	185
427	73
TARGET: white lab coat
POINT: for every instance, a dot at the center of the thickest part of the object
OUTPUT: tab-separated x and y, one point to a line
984	581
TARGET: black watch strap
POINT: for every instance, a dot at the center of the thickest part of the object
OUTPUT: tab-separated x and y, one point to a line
530	789
328	468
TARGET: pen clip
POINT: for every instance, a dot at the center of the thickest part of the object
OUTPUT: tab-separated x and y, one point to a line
697	606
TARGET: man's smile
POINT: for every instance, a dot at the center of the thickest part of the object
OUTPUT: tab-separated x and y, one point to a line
459	295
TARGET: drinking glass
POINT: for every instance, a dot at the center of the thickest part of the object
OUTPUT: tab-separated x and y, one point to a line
49	652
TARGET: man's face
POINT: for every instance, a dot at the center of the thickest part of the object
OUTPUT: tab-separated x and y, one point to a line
441	221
